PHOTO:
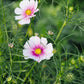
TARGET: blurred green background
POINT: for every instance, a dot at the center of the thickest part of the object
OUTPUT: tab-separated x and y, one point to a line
67	64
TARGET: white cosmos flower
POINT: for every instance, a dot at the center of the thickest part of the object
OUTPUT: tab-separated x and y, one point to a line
26	11
37	49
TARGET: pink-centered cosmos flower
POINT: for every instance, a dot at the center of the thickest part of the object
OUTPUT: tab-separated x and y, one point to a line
26	11
37	49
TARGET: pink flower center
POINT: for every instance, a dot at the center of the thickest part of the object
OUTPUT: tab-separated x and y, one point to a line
28	12
38	51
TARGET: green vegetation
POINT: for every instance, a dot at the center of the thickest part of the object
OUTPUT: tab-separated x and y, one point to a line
65	18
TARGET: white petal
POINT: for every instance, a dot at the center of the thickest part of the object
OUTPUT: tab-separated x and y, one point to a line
18	17
31	44
34	40
34	58
49	51
24	21
49	48
41	58
31	16
49	56
18	11
24	4
36	4
46	56
26	53
36	10
44	41
26	45
26	57
32	2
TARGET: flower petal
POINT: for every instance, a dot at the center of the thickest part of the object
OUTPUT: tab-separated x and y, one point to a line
41	58
49	51
24	4
34	58
36	4
28	55
18	17
18	11
34	40
49	48
44	41
26	45
32	2
24	21
31	16
36	10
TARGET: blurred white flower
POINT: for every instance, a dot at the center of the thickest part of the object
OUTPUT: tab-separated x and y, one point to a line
26	11
50	33
36	34
37	49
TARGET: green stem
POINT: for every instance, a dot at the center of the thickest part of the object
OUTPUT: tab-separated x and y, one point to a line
27	30
29	72
59	33
60	30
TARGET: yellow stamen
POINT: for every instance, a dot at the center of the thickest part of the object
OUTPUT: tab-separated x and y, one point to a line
28	12
38	51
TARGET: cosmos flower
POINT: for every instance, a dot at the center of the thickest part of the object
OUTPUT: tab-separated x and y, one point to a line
26	11
37	49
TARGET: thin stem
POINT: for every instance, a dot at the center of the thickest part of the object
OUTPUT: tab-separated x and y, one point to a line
60	30
29	72
28	30
59	33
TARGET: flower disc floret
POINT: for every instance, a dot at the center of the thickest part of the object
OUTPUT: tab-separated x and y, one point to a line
37	48
28	12
38	51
